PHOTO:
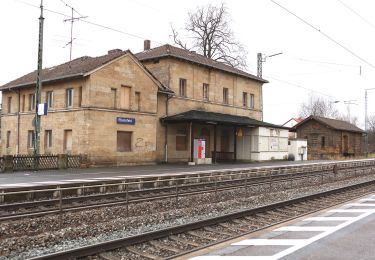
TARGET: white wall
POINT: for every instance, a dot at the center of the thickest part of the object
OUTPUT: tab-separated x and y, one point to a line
295	148
269	144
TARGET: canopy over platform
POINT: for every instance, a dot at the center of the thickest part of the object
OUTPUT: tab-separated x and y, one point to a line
217	118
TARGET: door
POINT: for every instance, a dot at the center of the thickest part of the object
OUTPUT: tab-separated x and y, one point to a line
346	145
68	141
224	141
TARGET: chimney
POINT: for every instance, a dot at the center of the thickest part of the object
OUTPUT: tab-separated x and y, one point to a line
146	45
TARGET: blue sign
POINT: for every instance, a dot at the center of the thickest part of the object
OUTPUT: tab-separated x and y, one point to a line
126	121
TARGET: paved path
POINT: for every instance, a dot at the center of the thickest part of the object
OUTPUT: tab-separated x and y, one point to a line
341	233
36	178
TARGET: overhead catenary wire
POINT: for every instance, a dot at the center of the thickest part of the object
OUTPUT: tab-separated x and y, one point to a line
324	34
91	23
357	14
300	86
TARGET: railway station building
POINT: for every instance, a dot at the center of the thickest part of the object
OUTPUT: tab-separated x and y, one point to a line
150	107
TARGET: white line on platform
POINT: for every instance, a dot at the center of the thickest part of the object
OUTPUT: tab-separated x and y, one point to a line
361	204
328	219
322	235
303	228
351	210
367	199
267	242
79	180
230	257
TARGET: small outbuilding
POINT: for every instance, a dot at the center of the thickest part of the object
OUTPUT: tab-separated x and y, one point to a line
330	138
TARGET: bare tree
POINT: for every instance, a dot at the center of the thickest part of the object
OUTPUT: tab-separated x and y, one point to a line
318	106
210	35
371	133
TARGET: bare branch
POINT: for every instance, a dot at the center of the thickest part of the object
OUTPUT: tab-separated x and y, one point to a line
211	36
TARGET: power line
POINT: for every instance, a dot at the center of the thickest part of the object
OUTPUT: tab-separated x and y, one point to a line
327	62
92	23
71	7
72	19
300	86
357	14
324	34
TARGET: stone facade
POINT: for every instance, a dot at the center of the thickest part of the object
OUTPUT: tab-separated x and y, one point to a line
97	105
93	117
324	142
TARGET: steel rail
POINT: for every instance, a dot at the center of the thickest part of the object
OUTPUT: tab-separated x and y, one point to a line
123	242
213	187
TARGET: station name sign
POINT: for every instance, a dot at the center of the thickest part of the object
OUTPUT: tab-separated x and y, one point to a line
125	120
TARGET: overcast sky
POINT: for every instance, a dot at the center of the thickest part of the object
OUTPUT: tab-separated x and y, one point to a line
311	63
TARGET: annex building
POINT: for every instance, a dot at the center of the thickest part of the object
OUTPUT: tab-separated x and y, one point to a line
329	138
150	107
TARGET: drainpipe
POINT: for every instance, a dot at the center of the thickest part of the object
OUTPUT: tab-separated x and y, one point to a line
166	129
18	121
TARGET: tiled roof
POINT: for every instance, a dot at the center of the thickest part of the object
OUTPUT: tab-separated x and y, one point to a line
204	116
171	51
76	68
333	123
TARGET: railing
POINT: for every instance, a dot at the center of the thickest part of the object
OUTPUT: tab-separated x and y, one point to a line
223	156
40	162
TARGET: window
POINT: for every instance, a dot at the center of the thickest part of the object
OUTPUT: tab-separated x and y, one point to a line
8	139
23	102
125	97
182	89
272	132
49	99
124	141
138	101
181	139
113	97
205	91
244	99
48	139
69	97
252	101
68	141
31	102
30	139
323	143
225	95
9	104
80	97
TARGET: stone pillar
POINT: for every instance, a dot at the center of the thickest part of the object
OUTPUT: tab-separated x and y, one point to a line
8	163
62	161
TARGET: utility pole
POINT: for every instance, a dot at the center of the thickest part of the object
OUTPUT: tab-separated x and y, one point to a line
366	121
72	19
38	89
262	58
348	103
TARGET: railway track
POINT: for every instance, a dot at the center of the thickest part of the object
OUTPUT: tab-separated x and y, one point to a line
180	240
129	193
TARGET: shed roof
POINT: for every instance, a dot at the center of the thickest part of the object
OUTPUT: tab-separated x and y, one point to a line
217	118
167	50
332	123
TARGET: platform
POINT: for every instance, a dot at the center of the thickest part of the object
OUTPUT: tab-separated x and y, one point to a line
70	176
344	232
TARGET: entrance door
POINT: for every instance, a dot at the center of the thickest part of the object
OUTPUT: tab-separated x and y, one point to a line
68	141
224	141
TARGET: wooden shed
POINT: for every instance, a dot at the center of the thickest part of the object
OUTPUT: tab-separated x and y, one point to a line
329	138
